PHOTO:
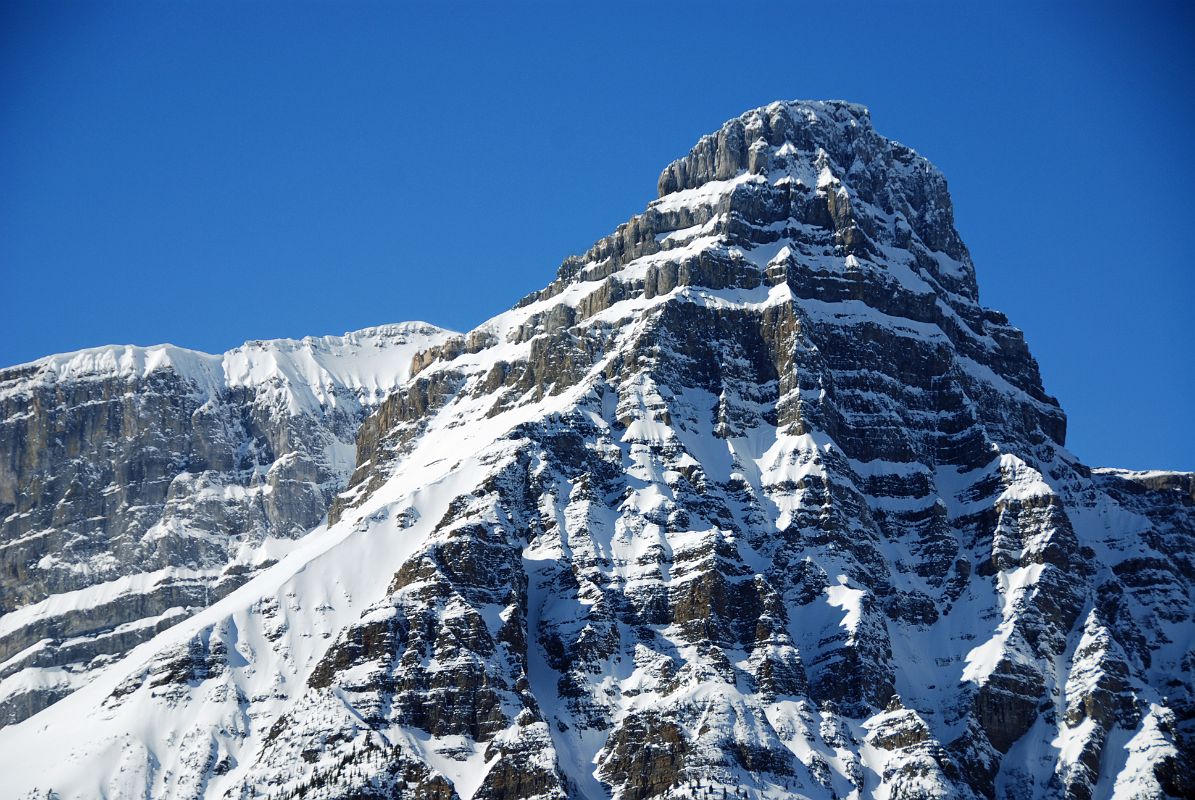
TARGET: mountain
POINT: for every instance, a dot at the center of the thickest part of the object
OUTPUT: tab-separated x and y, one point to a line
139	484
755	499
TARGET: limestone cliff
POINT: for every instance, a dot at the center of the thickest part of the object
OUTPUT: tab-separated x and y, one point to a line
755	499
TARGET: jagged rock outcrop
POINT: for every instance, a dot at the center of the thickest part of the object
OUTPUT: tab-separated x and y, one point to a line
140	484
754	500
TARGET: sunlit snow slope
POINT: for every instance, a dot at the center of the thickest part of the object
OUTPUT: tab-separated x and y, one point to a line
754	500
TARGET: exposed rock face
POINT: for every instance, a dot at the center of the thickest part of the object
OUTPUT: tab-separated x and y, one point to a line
754	500
139	484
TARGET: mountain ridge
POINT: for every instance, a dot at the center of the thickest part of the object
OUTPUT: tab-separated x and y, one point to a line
202	466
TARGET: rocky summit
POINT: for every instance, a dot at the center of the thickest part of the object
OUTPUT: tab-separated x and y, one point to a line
754	500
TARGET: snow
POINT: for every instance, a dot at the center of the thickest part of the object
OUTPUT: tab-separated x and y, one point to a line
127	361
1139	474
341	551
95	595
302	373
706	194
850	600
825	178
1145	750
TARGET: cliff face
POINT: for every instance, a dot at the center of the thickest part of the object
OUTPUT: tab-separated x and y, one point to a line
139	484
755	499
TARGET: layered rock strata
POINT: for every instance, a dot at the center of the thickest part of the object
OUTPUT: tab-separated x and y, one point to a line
755	500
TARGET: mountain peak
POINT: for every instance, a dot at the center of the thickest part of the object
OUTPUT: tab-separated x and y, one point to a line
828	168
812	176
755	497
743	143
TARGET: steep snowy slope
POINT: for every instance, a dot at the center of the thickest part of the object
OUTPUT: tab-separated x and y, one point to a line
137	484
754	500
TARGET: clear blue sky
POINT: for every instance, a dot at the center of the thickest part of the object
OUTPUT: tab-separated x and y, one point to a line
206	173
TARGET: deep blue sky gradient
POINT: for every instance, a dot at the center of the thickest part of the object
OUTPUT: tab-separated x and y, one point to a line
209	173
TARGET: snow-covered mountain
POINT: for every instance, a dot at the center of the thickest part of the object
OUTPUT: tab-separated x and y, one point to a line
139	484
754	500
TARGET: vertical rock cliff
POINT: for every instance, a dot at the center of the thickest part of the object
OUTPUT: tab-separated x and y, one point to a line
755	499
